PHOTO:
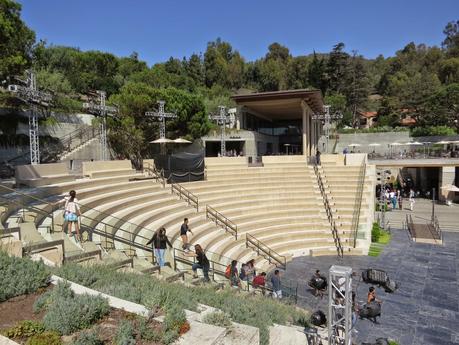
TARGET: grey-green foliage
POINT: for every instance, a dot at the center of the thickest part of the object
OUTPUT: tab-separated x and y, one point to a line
175	318
147	333
125	334
20	276
218	318
88	338
255	311
67	312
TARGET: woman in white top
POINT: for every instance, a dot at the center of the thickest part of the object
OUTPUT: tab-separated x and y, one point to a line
71	213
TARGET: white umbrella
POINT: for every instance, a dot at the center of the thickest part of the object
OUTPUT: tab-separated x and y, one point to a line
414	143
374	144
182	141
450	188
397	144
443	142
162	141
355	145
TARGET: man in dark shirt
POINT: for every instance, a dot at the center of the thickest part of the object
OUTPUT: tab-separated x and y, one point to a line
276	283
184	229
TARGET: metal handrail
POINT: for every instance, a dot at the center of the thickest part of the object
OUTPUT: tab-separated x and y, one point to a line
184	193
158	174
358	204
271	254
221	220
83	208
107	235
436	227
409	225
336	239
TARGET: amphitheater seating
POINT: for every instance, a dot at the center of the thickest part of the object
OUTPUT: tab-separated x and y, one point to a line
98	169
42	174
279	204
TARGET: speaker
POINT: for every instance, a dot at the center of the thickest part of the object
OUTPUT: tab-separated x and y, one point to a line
318	318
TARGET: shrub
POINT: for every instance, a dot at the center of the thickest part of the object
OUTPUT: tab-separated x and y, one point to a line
432	130
125	334
20	276
218	318
24	329
375	232
147	333
45	338
88	338
67	312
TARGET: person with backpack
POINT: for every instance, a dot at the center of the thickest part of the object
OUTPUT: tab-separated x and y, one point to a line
231	273
202	263
160	242
259	282
71	214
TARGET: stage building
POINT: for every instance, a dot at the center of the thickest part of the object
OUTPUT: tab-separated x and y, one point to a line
271	123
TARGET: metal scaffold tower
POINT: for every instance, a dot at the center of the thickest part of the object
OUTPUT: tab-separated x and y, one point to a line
98	107
34	98
340	306
222	120
326	117
162	116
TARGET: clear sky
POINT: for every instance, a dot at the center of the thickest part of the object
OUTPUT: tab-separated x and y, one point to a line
160	29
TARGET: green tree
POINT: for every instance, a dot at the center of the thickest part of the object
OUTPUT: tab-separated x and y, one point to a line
195	69
337	67
298	73
442	108
449	71
451	41
16	40
317	77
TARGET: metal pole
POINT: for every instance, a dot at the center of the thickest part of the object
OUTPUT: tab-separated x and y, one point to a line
433	205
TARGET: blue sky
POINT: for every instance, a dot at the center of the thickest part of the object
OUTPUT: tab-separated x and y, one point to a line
160	29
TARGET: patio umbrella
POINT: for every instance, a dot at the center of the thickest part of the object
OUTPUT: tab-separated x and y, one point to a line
415	143
443	142
396	144
450	188
162	141
355	145
182	141
374	144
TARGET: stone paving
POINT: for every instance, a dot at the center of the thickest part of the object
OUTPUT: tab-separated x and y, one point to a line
424	310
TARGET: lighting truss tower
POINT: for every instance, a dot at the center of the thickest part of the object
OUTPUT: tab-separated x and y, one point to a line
340	306
98	107
162	116
326	117
222	120
34	98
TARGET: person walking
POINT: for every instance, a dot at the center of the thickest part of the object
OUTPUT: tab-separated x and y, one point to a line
411	199
276	283
160	243
202	263
72	214
184	229
400	199
318	157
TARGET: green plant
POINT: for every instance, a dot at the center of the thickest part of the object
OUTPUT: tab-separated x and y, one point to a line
218	318
88	338
147	333
175	318
125	334
170	336
67	312
25	329
20	276
302	321
375	232
45	338
432	130
392	342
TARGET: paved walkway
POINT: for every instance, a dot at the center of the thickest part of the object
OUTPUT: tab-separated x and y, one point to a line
424	310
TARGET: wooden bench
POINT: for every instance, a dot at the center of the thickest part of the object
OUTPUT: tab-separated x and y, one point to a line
42	174
98	169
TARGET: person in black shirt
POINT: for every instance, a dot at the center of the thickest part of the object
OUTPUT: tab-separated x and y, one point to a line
184	229
202	263
160	242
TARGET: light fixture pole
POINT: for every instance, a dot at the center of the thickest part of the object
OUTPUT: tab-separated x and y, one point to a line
33	97
99	108
221	119
327	117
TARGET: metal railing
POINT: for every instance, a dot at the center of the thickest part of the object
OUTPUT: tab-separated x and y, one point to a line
218	268
221	221
357	204
184	193
157	174
109	233
336	239
265	250
409	225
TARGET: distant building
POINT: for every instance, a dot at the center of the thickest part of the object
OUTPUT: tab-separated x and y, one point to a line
367	119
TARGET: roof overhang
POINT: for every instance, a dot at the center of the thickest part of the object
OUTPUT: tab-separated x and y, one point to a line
280	105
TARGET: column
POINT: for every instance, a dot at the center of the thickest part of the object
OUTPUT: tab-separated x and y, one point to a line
447	177
305	137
